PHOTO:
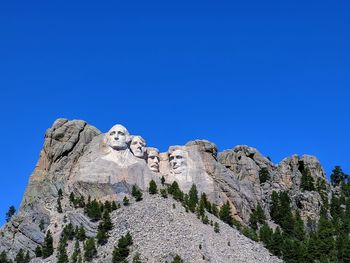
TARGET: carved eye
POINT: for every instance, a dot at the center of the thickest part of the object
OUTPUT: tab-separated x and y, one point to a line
178	157
112	133
171	158
121	133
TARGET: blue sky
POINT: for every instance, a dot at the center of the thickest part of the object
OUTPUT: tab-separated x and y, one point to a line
270	74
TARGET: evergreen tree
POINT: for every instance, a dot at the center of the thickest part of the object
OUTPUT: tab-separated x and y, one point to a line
152	187
59	206
62	256
192	198
76	252
102	236
81	235
136	193
89	249
114	206
276	243
137	258
93	210
47	249
125	201
337	176
20	256
265	235
164	193
72	198
175	191
257	217
299	232
27	257
307	181
263	175
177	259
38	251
41	224
10	213
128	239
3	257
325	240
107	206
68	231
216	227
225	214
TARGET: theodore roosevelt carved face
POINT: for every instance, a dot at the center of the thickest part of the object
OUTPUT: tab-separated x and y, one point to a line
137	146
118	137
177	161
153	159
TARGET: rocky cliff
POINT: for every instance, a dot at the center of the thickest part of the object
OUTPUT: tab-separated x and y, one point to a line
77	158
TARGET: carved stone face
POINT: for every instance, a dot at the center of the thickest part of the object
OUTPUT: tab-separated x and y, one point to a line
118	137
137	146
177	160
153	159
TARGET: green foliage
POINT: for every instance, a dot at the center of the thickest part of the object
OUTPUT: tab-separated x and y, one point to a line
62	256
41	224
265	235
89	249
337	176
38	251
225	213
93	209
81	234
68	232
121	252
175	191
177	259
264	175
152	187
136	193
164	193
216	227
47	248
10	213
3	257
76	252
257	217
136	258
126	201
20	256
307	181
192	198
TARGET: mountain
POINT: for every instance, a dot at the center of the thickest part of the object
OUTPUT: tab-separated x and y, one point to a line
81	172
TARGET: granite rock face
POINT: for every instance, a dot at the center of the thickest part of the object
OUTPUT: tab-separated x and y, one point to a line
76	157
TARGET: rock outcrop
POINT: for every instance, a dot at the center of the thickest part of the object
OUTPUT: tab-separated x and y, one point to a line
77	158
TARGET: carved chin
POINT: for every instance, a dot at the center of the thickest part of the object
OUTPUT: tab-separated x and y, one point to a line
118	146
139	154
154	168
178	170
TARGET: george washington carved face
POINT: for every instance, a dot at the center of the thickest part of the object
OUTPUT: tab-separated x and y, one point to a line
118	137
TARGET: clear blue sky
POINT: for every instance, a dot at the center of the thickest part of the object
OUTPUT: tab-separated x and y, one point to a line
274	75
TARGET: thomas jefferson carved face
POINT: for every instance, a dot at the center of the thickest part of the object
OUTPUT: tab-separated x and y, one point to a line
137	146
118	137
177	160
153	159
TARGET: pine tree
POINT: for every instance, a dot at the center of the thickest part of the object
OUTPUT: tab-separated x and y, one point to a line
216	227
72	198
136	258
276	242
225	214
47	249
89	249
10	213
257	217
114	206
62	256
59	206
38	251
3	257
265	235
325	240
192	198
299	232
102	236
136	193
20	256
307	181
81	235
164	193
177	259
175	191
264	175
337	176
27	257
93	210
152	187
125	201
76	252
